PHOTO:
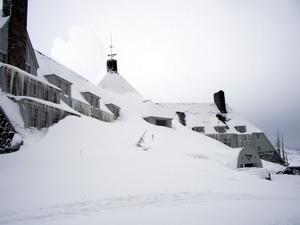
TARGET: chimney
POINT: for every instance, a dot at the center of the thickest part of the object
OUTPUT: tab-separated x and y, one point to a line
6	6
17	33
112	66
219	98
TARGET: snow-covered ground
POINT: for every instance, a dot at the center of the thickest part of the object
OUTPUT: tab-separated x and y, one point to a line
82	170
293	157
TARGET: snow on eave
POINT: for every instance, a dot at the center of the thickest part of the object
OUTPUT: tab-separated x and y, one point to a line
62	106
31	76
49	66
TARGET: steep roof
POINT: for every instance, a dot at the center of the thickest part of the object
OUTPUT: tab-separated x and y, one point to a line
117	84
204	115
117	89
79	84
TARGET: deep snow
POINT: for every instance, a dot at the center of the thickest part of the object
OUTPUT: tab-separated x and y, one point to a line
83	170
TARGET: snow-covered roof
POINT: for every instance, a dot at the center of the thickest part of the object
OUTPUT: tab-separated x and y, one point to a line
117	84
62	106
113	88
204	115
79	84
24	73
117	89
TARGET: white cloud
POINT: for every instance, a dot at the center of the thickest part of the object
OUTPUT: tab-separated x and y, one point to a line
82	52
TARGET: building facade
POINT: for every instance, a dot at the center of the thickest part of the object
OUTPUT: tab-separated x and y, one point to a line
221	123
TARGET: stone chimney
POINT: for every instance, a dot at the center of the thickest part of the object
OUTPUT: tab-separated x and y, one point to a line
219	98
17	33
6	6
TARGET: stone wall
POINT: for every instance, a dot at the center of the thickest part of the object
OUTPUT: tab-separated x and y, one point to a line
7	133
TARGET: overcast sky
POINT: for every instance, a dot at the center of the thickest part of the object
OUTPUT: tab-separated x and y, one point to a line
184	51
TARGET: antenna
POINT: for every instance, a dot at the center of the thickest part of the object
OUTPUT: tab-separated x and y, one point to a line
111	55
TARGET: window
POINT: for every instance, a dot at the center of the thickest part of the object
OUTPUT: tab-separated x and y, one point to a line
46	94
227	142
56	115
34	117
55	100
249	165
198	129
161	123
257	136
34	90
24	87
241	129
220	129
258	148
59	83
44	118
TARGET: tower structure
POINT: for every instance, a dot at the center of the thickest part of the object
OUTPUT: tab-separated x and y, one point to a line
111	63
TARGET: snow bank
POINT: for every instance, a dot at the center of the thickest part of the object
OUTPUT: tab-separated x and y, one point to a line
83	160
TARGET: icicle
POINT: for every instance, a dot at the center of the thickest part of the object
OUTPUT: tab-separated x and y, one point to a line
12	74
22	83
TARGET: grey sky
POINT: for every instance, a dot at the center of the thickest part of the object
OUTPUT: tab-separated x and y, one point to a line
184	51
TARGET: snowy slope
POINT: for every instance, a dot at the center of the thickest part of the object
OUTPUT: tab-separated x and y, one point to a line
96	173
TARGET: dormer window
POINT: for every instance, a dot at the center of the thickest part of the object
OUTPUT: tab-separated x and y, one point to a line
199	129
241	129
220	129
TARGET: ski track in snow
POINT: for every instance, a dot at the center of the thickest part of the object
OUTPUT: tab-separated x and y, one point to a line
95	207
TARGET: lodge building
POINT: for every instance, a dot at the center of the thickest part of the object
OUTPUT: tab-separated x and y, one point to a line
47	92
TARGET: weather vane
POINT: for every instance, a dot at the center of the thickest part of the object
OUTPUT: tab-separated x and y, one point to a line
111	55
